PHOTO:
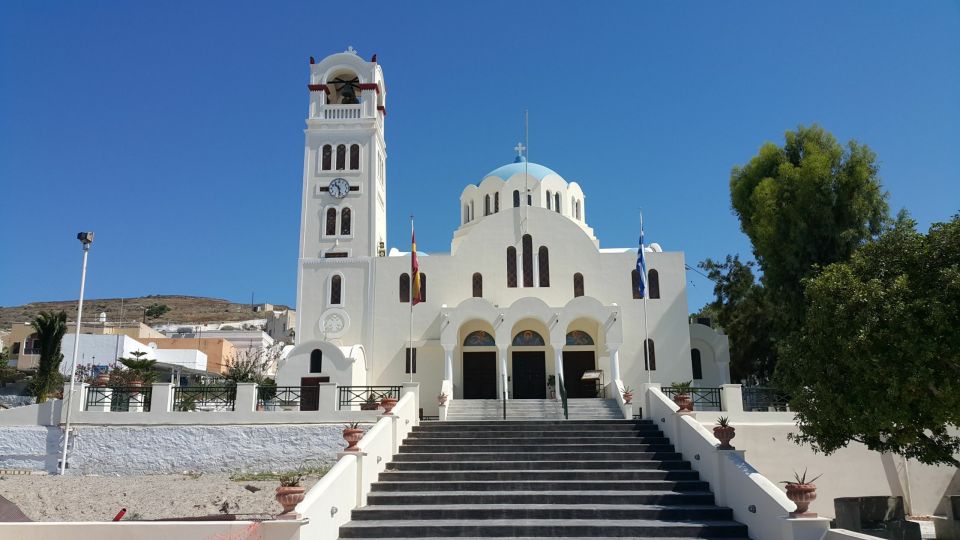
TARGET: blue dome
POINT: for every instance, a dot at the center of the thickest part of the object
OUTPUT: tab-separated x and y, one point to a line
535	170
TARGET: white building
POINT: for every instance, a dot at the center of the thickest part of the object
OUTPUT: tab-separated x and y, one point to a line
241	339
105	349
525	292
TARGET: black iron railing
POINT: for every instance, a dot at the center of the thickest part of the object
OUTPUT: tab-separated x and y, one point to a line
365	396
563	396
273	398
119	398
704	399
204	398
763	398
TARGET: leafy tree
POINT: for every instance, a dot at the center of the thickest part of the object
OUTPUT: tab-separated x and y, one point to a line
50	328
7	373
742	309
252	365
877	359
155	311
140	368
805	205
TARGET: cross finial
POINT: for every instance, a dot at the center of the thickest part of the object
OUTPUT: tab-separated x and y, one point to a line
519	149
350	49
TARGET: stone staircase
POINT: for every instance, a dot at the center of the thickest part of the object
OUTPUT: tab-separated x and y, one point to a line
540	479
532	409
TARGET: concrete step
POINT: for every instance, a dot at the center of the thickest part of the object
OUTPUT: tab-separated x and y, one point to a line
604	496
581	528
537	465
513	475
544	485
542	423
499	434
542	511
543	455
528	438
532	446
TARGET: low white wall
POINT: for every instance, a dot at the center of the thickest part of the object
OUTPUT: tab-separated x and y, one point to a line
42	414
152	530
171	449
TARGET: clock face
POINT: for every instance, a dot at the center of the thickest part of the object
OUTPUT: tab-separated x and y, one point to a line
339	187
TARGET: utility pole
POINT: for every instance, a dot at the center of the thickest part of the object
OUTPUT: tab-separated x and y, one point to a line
85	238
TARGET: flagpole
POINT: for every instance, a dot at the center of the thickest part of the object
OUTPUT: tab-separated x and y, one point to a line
413	282
646	292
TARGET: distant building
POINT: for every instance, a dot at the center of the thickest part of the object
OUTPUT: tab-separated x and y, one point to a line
25	348
219	351
104	350
241	339
262	308
280	325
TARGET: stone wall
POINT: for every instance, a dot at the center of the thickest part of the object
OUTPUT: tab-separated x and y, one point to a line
125	450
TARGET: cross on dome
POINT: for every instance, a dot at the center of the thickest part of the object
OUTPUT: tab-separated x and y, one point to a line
350	49
520	149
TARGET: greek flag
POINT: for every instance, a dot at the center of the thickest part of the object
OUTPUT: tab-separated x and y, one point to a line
641	267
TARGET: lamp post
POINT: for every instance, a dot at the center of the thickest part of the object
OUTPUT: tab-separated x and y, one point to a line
85	238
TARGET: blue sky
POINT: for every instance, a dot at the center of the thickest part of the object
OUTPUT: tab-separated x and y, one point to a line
174	129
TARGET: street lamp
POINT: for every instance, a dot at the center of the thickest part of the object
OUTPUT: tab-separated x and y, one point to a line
85	238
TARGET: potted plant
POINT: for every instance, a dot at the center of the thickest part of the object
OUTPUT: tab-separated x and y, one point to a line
725	432
352	434
388	403
552	385
442	399
682	395
628	395
290	492
801	492
371	403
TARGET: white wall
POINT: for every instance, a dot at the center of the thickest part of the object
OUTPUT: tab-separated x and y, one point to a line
101	350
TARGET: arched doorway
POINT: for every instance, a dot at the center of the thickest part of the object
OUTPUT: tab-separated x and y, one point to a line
579	356
479	365
529	357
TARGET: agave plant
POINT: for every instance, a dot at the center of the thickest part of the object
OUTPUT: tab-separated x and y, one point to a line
800	479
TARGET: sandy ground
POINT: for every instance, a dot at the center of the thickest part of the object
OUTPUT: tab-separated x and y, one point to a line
99	498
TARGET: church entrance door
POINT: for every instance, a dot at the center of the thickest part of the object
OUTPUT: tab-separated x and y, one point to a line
574	364
310	392
529	375
480	375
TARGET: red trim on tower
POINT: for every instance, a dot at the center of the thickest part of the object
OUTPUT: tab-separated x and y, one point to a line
382	109
370	86
318	87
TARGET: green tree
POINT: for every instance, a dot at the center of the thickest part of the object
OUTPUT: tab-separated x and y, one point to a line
741	307
877	359
50	328
155	311
7	372
141	368
805	205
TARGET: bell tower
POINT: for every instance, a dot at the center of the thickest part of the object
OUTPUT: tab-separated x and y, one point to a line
343	212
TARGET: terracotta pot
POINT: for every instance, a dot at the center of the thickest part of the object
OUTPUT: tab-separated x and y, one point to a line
725	434
684	402
289	497
388	403
802	495
102	379
628	397
442	402
135	383
352	436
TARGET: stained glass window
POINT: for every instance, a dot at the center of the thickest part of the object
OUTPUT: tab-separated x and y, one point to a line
404	287
345	222
527	261
496	203
578	284
354	157
653	284
579	337
341	157
544	259
528	338
478	285
326	157
331	228
336	286
511	266
479	338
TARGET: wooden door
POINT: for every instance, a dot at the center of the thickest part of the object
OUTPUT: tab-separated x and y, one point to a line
529	375
310	392
480	375
574	364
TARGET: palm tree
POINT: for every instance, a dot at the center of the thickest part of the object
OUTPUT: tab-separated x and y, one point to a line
50	328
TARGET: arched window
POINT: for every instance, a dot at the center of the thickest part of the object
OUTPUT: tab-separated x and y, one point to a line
466	214
578	284
478	285
549	199
496	202
354	157
336	290
486	204
544	260
516	198
579	207
528	338
652	364
529	199
579	337
511	266
527	261
635	283
695	364
653	283
331	227
327	155
316	361
556	202
479	338
341	157
473	214
423	287
573	207
404	287
345	222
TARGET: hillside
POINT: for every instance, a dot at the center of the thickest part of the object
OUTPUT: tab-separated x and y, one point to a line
183	309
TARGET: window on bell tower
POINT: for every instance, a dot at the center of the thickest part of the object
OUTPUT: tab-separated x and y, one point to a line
341	157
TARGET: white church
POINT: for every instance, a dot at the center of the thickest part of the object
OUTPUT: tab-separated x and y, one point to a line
525	292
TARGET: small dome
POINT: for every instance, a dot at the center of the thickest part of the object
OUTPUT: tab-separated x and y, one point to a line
520	165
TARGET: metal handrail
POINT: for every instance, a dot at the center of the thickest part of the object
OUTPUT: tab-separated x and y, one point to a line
563	396
363	395
701	396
